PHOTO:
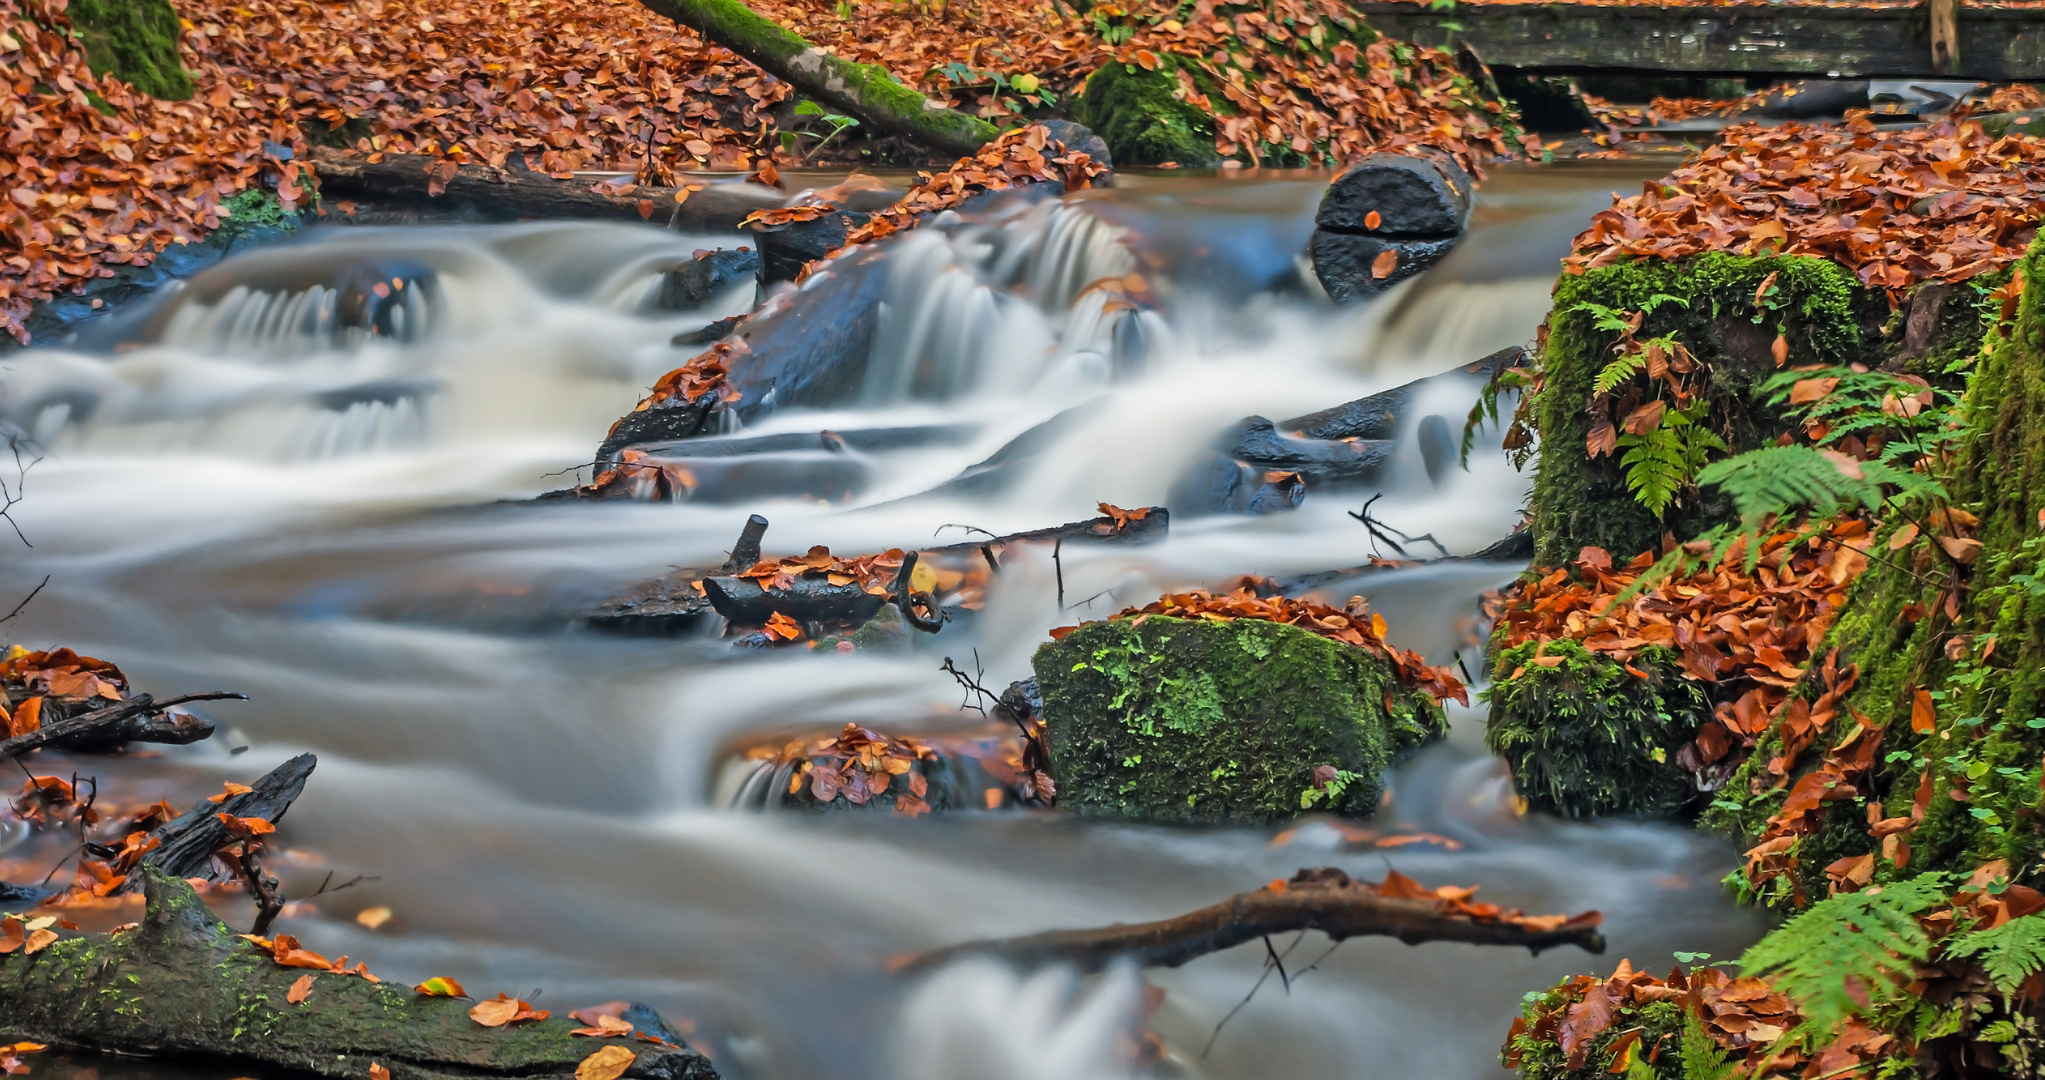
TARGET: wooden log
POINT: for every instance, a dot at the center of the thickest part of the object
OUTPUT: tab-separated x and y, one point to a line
1324	900
185	845
182	983
743	602
512	194
747	551
135	719
1386	218
867	91
1729	39
1379	415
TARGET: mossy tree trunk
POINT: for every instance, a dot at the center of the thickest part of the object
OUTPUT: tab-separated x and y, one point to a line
136	41
1581	501
181	982
1981	655
866	91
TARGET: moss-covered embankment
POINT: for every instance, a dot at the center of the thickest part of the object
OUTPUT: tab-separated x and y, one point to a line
1191	720
1679	351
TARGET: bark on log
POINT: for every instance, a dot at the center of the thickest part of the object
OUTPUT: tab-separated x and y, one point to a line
182	982
1323	900
135	719
1385	219
510	194
808	600
185	846
866	91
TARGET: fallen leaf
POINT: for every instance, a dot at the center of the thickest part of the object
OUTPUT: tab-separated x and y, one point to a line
300	990
374	917
441	986
1386	262
505	1009
608	1063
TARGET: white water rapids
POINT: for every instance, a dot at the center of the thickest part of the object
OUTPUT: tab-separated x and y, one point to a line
254	493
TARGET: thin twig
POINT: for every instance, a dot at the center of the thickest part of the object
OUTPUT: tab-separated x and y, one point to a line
971	683
1056	550
1272	959
1378	530
24	600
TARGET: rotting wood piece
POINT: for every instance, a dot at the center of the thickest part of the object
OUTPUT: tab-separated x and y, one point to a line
135	719
511	194
1325	900
185	845
181	982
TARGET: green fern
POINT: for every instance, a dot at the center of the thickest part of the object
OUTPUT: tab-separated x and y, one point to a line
1617	372
1666	460
1700	1055
1868	936
2010	953
1614	321
1777	480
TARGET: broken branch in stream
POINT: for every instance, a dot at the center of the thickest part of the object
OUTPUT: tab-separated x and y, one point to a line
1325	900
1379	530
136	719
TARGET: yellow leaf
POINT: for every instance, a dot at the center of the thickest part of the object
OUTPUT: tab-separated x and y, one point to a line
608	1063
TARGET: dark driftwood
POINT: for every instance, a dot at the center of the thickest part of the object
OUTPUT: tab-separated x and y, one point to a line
807	600
1335	908
1101	530
181	982
510	194
185	846
135	719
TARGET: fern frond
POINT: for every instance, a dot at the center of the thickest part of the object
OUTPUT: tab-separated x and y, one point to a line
1657	466
1869	937
1781	479
1617	372
2010	953
1699	1054
1659	299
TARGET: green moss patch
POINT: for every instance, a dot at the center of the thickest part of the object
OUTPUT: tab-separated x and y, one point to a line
1585	736
136	41
1139	115
1178	720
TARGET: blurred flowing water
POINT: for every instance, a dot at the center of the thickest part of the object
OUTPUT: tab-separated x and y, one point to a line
276	482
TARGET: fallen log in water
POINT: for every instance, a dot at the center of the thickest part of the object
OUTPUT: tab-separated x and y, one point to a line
1325	900
185	844
135	719
182	982
1385	219
513	194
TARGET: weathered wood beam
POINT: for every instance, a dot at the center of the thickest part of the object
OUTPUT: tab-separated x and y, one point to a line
1993	43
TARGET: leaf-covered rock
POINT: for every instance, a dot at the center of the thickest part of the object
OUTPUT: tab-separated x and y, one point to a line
1166	719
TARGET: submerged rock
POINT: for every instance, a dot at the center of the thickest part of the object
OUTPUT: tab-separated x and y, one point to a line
1240	720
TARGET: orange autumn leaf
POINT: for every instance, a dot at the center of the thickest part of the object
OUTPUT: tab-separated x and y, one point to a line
300	990
440	986
378	1072
1386	262
1923	713
228	790
607	1063
605	1026
28	716
246	826
1372	220
505	1009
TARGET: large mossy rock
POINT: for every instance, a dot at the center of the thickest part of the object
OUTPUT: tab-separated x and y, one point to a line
1143	121
136	41
1587	737
1176	720
181	982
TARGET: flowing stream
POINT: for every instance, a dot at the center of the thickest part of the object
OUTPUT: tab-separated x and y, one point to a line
269	482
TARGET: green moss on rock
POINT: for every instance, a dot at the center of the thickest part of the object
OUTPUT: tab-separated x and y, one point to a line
136	41
1138	114
1586	737
1821	309
1177	720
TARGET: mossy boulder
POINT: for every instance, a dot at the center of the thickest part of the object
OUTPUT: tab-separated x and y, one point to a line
1177	720
1585	736
136	41
1138	113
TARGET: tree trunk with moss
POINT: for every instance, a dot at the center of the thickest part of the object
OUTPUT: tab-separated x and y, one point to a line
181	982
136	41
1179	720
867	91
1980	659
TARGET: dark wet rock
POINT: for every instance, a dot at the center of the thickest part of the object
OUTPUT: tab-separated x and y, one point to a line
1808	99
1177	720
1438	446
786	249
1258	442
710	334
706	277
1001	469
1220	484
1083	139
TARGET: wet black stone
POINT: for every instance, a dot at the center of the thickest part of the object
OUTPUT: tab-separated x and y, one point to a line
702	279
